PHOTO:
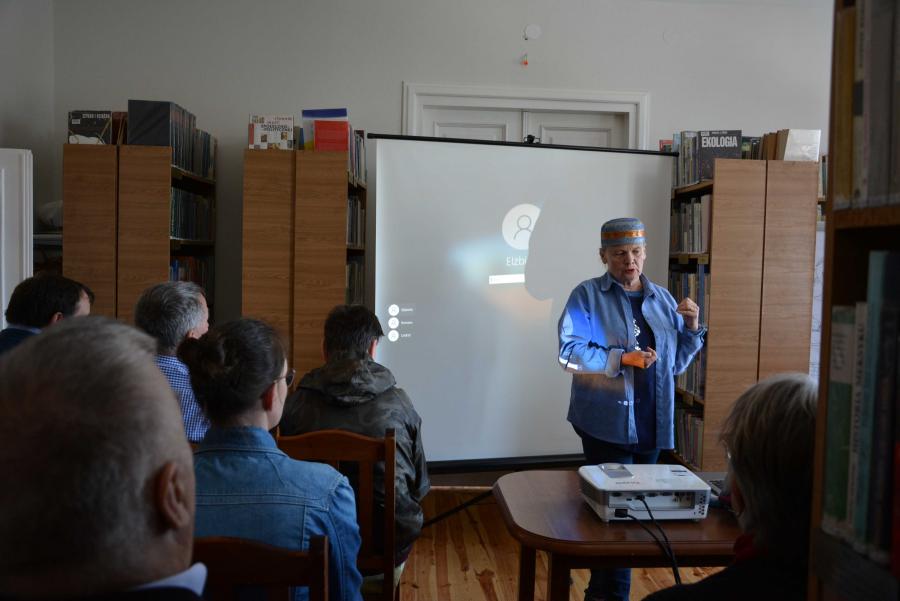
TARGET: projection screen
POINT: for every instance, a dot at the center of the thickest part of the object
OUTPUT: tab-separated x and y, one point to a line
477	247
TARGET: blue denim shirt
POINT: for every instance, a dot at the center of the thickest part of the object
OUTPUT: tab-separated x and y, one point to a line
595	330
248	488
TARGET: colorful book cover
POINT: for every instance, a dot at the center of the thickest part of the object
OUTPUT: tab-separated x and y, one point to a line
310	116
331	135
271	131
90	127
721	144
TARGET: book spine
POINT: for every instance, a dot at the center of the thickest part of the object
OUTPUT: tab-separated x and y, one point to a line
859	356
879	533
860	168
867	410
837	448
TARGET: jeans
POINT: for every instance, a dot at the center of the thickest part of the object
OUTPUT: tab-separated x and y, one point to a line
611	584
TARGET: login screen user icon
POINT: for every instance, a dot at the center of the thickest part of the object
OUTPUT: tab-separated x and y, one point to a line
518	224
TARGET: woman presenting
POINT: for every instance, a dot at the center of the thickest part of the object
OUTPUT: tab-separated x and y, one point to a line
624	339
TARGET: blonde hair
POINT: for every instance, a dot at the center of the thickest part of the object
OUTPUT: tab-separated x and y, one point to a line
770	435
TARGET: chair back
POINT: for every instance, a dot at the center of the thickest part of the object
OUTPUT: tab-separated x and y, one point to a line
358	454
233	563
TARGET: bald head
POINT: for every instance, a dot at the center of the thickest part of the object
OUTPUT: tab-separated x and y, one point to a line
88	457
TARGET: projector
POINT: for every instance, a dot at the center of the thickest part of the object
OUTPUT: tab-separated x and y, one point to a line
672	492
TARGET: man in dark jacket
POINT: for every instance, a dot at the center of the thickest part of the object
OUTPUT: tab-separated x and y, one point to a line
39	302
352	392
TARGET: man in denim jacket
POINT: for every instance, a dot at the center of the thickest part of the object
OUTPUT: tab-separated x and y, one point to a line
624	339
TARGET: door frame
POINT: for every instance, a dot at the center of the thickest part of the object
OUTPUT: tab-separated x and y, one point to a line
416	96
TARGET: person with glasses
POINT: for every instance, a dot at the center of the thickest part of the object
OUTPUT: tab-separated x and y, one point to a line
623	339
247	487
353	392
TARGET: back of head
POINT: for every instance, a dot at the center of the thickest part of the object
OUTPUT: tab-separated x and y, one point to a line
231	366
350	329
78	450
770	437
37	299
168	311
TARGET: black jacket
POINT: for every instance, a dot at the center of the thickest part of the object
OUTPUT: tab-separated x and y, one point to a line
13	337
361	396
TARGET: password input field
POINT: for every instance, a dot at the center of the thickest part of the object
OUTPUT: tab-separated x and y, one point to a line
507	278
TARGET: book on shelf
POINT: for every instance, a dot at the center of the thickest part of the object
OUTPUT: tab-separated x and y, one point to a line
309	117
712	145
331	135
190	216
356	222
751	147
690	225
357	158
842	161
840	395
90	127
119	127
191	268
164	123
356	280
270	131
689	435
876	416
798	144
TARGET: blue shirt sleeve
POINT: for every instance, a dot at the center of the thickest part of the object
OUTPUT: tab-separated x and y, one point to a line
579	352
344	579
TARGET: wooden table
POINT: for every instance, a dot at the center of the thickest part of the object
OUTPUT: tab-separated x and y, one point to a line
544	511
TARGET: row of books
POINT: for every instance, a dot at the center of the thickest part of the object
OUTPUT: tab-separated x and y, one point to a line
190	216
357	159
862	464
197	269
164	123
356	281
356	221
690	221
866	96
689	435
698	150
149	123
691	281
693	379
321	130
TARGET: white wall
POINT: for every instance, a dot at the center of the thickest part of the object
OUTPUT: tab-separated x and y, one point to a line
757	65
26	87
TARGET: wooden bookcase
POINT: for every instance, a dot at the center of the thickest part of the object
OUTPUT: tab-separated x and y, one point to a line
295	248
837	571
117	212
761	264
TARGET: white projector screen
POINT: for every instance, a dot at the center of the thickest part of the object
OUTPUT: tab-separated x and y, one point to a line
477	248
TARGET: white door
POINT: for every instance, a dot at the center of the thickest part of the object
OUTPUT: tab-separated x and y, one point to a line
16	235
570	128
473	124
607	130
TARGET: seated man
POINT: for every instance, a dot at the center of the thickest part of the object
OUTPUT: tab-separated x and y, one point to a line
41	301
352	392
97	494
172	312
770	436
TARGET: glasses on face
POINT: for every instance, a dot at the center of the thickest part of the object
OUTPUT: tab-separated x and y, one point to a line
288	377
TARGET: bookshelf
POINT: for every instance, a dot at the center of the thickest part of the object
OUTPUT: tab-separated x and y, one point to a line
759	256
118	216
837	568
297	250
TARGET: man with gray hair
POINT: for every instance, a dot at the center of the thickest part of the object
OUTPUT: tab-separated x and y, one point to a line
97	495
172	312
770	438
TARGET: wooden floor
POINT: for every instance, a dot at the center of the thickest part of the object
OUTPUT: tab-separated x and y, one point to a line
471	557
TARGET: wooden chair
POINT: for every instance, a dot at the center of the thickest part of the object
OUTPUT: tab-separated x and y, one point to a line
236	562
339	448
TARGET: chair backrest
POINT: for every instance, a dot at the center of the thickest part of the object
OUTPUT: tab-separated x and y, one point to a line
234	562
338	448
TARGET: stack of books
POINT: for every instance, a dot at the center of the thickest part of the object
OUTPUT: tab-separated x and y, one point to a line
163	123
190	216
